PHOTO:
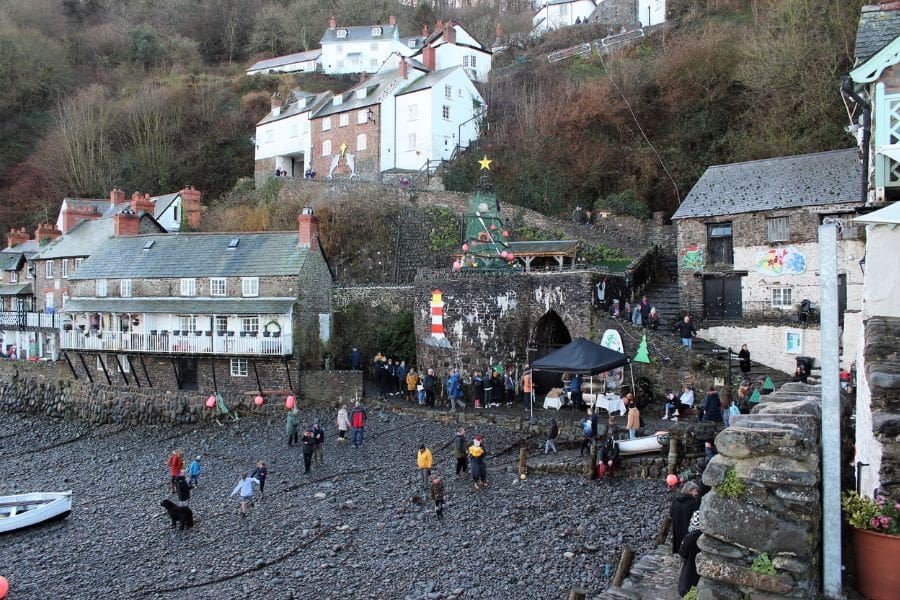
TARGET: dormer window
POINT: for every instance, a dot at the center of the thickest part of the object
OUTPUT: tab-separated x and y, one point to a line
361	93
338	100
376	31
341	33
411	43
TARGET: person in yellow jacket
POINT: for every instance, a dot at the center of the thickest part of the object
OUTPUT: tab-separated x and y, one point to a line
424	462
476	462
412	380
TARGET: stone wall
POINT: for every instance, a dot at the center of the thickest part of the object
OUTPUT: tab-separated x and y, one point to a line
401	296
48	389
616	13
774	452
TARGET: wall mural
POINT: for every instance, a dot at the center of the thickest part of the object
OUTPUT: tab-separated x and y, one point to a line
780	261
692	258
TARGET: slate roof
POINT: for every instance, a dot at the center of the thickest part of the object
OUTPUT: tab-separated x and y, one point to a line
427	81
784	182
195	255
375	86
82	240
287	59
29	248
205	306
10	261
544	247
16	289
878	26
362	33
299	103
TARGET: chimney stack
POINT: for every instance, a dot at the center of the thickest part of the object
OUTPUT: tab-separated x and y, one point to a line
438	26
450	32
141	204
72	215
332	23
116	196
46	232
277	103
428	57
127	223
392	21
424	31
14	237
190	206
309	229
404	67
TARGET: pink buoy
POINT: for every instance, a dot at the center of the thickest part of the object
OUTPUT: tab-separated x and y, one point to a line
289	402
4	587
258	401
504	254
211	402
465	247
457	265
672	481
493	228
505	233
510	256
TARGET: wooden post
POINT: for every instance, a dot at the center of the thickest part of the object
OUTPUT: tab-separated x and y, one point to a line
592	467
523	463
624	567
673	454
577	594
663	531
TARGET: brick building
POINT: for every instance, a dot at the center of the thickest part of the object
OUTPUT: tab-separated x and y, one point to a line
748	252
201	311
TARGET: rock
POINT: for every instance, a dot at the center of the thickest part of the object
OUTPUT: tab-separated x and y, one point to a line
707	566
755	439
569	555
319	495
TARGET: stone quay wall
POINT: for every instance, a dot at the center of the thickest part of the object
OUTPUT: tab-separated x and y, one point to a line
48	389
774	452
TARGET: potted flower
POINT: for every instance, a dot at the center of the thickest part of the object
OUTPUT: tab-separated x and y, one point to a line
876	543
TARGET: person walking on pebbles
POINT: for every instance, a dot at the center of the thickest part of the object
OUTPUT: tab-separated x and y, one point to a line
634	417
292	428
244	487
176	466
424	462
183	488
437	496
552	434
343	424
476	463
319	447
194	471
358	422
260	473
309	446
459	451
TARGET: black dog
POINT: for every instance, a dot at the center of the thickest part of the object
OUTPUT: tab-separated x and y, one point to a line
180	515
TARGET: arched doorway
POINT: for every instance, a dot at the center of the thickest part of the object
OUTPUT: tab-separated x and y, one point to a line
549	334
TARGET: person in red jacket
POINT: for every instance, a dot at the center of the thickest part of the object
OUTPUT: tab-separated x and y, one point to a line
176	466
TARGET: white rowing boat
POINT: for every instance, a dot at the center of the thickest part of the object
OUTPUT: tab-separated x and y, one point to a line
24	510
639	445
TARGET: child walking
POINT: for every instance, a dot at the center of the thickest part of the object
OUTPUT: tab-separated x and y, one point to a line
424	462
260	473
194	471
245	488
343	424
437	495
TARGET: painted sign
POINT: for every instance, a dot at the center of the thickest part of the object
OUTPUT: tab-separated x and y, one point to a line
613	340
780	261
438	338
692	258
793	342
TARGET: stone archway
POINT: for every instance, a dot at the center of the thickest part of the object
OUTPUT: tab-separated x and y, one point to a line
549	334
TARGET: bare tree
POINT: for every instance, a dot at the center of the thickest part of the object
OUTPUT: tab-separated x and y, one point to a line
83	132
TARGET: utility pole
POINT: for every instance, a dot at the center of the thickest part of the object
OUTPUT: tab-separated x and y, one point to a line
831	409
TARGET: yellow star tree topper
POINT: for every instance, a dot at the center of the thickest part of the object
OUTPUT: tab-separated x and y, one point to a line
485	163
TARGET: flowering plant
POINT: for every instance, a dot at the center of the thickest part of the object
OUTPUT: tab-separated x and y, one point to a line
880	515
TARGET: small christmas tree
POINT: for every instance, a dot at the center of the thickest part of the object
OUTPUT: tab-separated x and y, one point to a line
642	355
755	397
768	385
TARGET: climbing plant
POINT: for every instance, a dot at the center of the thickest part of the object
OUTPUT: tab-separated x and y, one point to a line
731	486
444	234
762	565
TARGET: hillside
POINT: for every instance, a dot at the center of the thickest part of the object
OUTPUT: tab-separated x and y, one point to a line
152	96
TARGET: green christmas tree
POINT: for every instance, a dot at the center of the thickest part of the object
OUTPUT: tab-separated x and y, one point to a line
768	385
642	355
486	245
755	397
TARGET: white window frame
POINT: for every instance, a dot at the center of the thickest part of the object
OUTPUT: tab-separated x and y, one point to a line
48	269
326	124
238	367
341	34
249	287
448	92
65	300
49	300
218	286
125	288
270	136
65	268
782	298
445	112
187	323
188	286
101	288
376	31
293	130
13	277
411	141
778	229
343	120
373	63
413	112
78	262
29	270
362	117
340	64
362	142
250	323
326	148
221	323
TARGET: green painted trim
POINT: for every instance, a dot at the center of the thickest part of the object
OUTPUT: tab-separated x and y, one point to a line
872	69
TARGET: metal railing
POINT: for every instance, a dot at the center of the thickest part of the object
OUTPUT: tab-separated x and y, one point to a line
168	343
31	320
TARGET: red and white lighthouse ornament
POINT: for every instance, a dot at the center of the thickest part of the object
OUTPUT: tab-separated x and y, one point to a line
438	338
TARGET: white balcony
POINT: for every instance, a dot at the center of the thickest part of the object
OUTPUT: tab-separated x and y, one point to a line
31	320
208	342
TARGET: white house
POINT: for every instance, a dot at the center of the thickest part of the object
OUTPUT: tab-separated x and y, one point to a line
362	49
300	62
651	12
435	114
555	14
283	139
453	46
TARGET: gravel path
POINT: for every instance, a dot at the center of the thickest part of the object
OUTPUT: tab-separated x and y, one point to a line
348	530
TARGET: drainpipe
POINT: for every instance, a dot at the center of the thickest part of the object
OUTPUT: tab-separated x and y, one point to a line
848	91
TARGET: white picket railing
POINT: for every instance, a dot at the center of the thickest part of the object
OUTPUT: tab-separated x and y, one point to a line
112	341
14	319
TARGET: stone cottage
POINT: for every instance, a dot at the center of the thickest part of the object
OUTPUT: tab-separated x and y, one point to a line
215	312
749	259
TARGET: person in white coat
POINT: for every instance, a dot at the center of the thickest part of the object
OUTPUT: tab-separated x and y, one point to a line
343	424
245	488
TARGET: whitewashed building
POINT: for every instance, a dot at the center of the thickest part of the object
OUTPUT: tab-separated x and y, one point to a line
283	139
555	14
299	62
362	49
453	46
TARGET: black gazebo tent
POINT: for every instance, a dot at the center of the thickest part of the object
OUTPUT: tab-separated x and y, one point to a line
582	357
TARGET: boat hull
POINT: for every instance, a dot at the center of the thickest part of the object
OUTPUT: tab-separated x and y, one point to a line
28	510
